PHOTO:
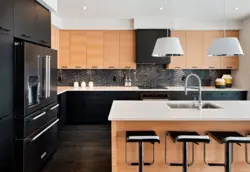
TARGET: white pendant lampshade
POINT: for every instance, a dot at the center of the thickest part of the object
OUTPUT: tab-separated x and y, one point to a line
167	46
228	46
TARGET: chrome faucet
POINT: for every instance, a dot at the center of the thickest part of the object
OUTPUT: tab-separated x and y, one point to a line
199	88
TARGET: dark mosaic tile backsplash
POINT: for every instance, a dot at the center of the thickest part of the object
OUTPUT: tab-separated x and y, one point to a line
145	75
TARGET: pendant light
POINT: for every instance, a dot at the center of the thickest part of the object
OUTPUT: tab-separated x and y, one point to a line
227	46
167	46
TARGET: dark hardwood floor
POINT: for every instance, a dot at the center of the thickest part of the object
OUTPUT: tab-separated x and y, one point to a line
82	148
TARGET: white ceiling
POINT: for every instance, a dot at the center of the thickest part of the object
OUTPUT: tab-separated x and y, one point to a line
173	9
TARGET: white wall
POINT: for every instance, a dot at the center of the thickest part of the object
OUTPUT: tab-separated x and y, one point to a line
52	5
56	21
242	76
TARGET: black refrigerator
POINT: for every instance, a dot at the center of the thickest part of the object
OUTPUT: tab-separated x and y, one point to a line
35	105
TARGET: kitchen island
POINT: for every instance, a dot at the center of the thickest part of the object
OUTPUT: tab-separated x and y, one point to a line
160	117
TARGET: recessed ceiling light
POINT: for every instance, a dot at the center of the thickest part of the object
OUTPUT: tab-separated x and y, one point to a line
236	8
161	8
84	8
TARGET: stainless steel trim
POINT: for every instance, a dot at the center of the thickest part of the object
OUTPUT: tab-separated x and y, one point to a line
56	106
38	116
47	128
49	75
46	76
43	155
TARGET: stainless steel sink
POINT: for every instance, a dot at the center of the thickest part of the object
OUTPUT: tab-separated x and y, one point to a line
192	106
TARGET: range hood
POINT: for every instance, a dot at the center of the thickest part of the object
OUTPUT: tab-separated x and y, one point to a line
145	42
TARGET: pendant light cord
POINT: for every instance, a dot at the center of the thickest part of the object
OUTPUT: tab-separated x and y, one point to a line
225	17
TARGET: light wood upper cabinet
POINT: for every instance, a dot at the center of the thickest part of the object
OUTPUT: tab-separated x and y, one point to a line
111	49
64	49
195	49
179	62
211	62
127	50
230	62
94	49
78	50
54	38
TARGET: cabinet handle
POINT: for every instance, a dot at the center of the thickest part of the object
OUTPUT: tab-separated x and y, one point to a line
38	116
94	67
3	117
26	36
127	67
229	67
64	67
177	67
211	67
111	67
78	67
47	128
43	155
56	106
7	30
42	41
194	67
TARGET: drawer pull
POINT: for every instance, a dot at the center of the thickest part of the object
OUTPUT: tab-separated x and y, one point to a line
38	116
94	67
56	106
47	128
229	67
3	117
6	30
211	67
127	67
64	67
111	67
43	155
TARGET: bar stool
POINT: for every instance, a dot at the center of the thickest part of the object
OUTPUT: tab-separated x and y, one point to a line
185	137
228	138
141	137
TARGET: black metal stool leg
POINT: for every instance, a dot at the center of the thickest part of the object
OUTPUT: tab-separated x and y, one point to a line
228	157
141	157
185	156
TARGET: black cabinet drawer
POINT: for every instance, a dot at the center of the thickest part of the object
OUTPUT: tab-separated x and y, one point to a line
6	143
32	152
28	125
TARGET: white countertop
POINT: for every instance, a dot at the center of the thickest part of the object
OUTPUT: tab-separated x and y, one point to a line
62	89
160	111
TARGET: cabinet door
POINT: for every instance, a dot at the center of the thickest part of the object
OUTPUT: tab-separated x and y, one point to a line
64	49
94	49
78	49
211	62
230	62
6	16
179	62
43	25
111	49
24	19
127	50
54	38
195	48
6	75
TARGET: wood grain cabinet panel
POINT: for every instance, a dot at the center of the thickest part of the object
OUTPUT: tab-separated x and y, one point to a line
127	50
54	38
230	62
94	49
179	62
211	62
111	49
78	50
195	49
64	49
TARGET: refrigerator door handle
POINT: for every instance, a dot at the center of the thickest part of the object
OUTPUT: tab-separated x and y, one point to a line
49	75
46	76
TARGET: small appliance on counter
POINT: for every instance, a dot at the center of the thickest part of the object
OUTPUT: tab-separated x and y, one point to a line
76	84
83	84
91	84
228	80
220	83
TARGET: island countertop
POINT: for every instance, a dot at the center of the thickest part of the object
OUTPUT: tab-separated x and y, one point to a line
160	111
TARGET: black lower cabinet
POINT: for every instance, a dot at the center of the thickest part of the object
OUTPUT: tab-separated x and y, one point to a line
32	152
6	144
62	112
